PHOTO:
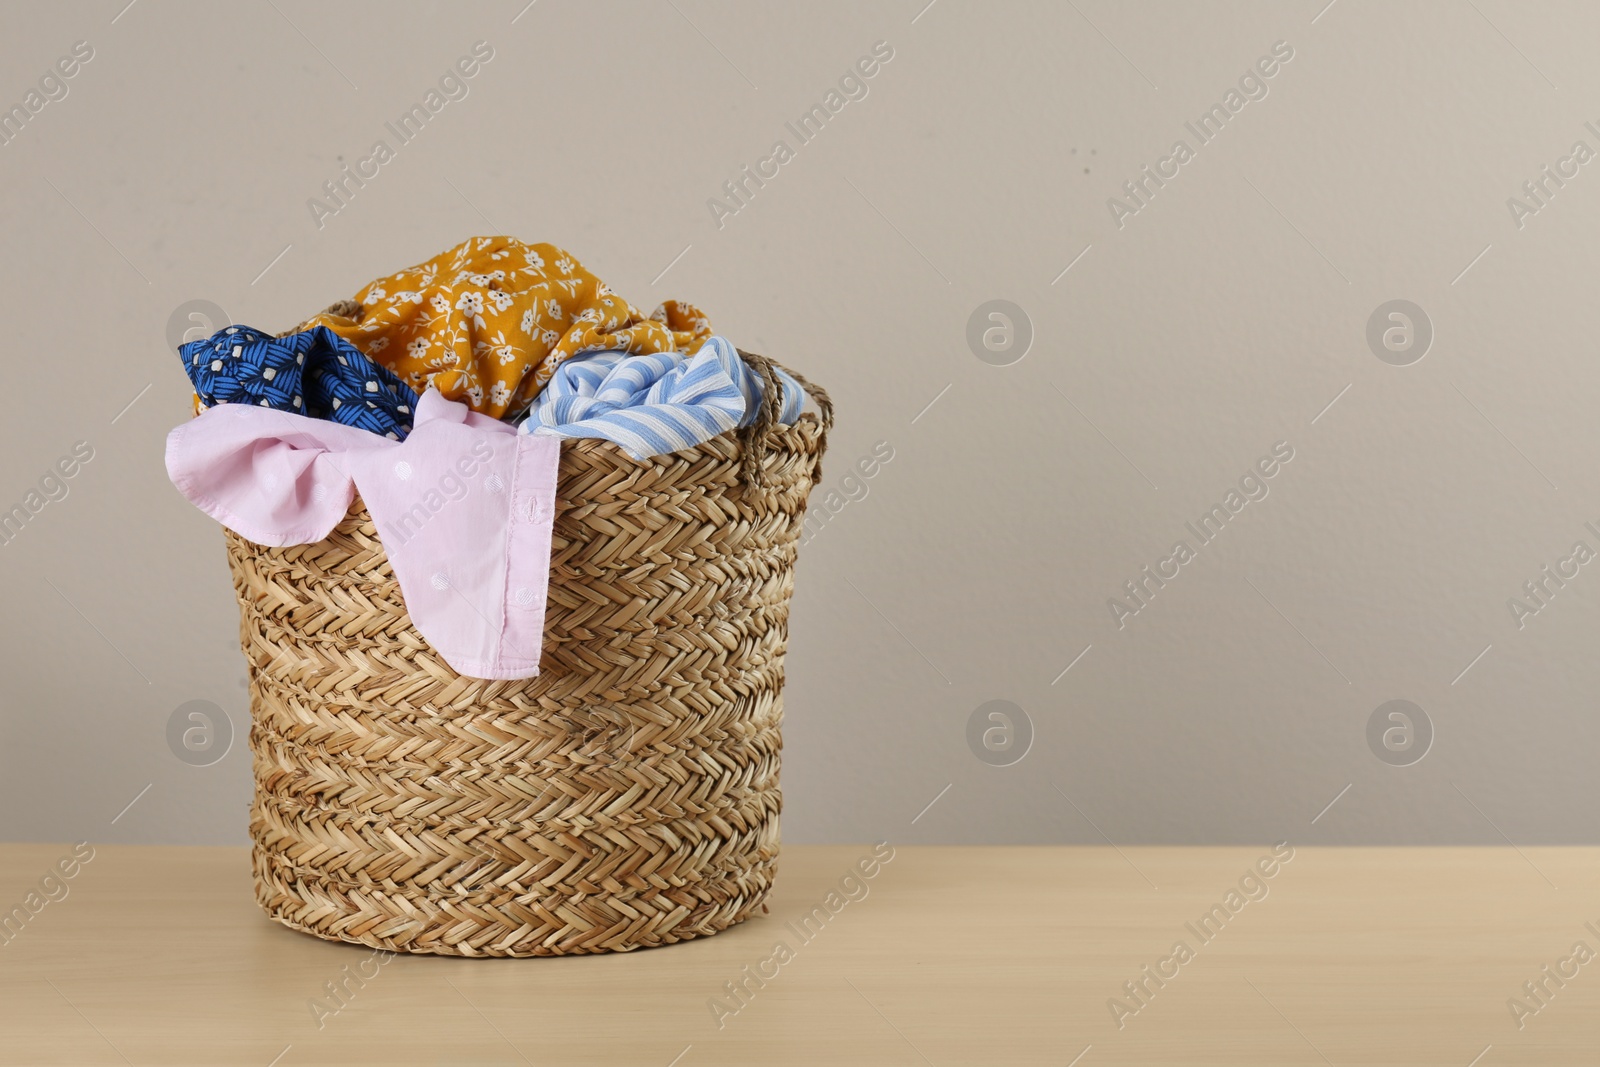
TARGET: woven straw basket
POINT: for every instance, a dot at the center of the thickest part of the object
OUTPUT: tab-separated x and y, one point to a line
627	797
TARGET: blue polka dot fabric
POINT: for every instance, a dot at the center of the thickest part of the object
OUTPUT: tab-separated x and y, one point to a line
315	373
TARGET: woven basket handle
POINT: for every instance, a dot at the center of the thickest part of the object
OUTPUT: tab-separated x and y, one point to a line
758	435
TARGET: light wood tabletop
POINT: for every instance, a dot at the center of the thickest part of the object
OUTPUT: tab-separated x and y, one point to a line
1002	955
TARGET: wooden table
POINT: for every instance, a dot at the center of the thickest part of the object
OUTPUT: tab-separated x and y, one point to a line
947	956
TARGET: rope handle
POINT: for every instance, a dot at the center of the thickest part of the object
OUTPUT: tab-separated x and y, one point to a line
758	435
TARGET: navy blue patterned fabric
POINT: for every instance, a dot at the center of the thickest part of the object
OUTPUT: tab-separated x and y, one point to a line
315	373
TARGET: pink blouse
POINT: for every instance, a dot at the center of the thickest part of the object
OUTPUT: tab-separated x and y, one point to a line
464	506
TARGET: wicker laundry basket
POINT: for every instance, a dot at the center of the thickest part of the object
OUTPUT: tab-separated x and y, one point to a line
627	797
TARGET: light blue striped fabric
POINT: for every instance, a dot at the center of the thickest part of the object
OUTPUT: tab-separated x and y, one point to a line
655	403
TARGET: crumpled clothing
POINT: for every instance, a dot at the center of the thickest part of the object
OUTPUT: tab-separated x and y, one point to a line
656	403
488	322
315	373
464	507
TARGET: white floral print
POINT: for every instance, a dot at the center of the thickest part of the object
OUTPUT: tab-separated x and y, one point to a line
488	321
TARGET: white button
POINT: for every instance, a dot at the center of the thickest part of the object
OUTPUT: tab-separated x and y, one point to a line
402	470
494	484
525	597
441	581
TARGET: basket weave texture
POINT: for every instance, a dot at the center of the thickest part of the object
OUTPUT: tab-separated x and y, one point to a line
626	797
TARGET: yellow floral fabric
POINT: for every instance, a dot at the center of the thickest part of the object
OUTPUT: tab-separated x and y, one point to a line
488	322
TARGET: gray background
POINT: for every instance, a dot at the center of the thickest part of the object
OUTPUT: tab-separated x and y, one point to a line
1222	318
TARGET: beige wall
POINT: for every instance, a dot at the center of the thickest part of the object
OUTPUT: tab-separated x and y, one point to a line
1192	336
